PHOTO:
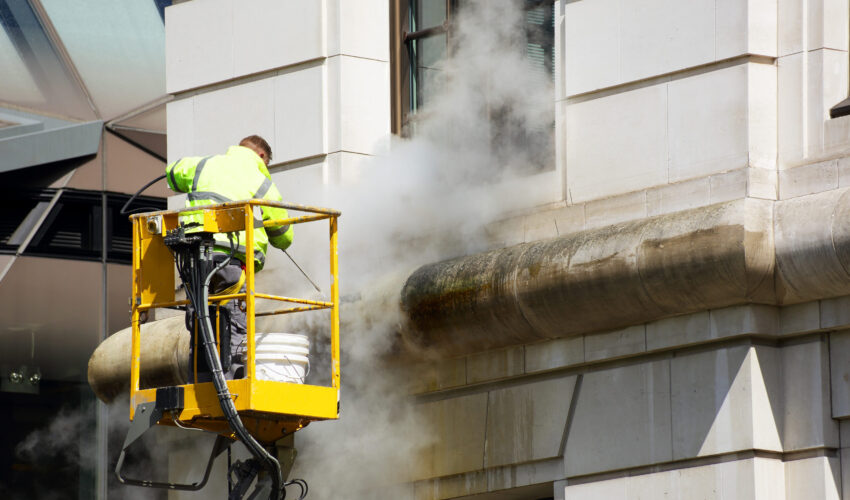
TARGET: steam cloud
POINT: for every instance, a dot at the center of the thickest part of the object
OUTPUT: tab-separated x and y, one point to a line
476	138
71	438
58	444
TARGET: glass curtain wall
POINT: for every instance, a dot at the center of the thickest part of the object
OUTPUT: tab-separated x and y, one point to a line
64	253
34	75
118	48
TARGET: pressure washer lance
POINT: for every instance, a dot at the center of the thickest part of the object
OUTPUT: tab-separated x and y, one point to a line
305	274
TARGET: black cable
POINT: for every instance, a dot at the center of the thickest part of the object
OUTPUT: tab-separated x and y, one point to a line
189	266
301	484
124	210
201	297
229	479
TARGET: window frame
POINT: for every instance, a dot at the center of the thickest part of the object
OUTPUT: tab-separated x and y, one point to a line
400	64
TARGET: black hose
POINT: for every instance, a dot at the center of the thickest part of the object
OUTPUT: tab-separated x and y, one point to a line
124	210
228	408
301	484
229	479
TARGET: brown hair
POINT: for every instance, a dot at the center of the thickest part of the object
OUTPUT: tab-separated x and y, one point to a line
257	142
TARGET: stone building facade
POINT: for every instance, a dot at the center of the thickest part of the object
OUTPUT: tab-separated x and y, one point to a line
668	315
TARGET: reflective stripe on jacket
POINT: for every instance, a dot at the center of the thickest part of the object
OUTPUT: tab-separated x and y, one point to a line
239	174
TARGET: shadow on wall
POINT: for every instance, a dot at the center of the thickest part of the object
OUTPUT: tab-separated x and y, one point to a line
712	402
675	408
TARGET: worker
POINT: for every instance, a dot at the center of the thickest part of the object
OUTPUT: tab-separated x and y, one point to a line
239	174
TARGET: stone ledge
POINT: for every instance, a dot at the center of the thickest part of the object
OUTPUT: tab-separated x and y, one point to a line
608	278
665	335
540	477
702	462
744	252
531	478
659	200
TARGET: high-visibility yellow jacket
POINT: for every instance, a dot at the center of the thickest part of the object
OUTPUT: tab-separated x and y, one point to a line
239	174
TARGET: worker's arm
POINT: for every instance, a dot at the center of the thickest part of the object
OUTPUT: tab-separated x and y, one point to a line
279	236
181	173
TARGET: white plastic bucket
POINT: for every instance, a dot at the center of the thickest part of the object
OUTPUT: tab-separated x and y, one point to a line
282	357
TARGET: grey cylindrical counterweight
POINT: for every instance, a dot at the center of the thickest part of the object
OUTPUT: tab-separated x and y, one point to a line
164	359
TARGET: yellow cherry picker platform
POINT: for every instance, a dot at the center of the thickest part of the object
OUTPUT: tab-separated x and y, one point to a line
252	410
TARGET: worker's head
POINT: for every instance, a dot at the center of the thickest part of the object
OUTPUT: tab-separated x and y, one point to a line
259	146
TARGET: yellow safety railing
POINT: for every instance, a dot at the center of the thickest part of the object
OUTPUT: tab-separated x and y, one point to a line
154	287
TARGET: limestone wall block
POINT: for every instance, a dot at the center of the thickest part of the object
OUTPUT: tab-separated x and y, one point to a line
839	354
749	479
554	354
617	143
497	364
613	344
817	477
661	37
210	42
526	423
722	401
807	418
460	423
622	419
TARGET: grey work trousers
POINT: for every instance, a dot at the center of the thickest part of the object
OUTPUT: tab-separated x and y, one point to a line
223	279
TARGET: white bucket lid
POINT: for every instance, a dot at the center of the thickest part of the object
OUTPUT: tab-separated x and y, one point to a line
282	357
297	349
283	338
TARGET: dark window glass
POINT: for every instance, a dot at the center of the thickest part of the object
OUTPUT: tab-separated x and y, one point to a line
540	38
427	55
11	218
119	234
429	33
427	40
426	14
427	48
19	212
73	228
36	464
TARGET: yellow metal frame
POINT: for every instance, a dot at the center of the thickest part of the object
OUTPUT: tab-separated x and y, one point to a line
269	410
